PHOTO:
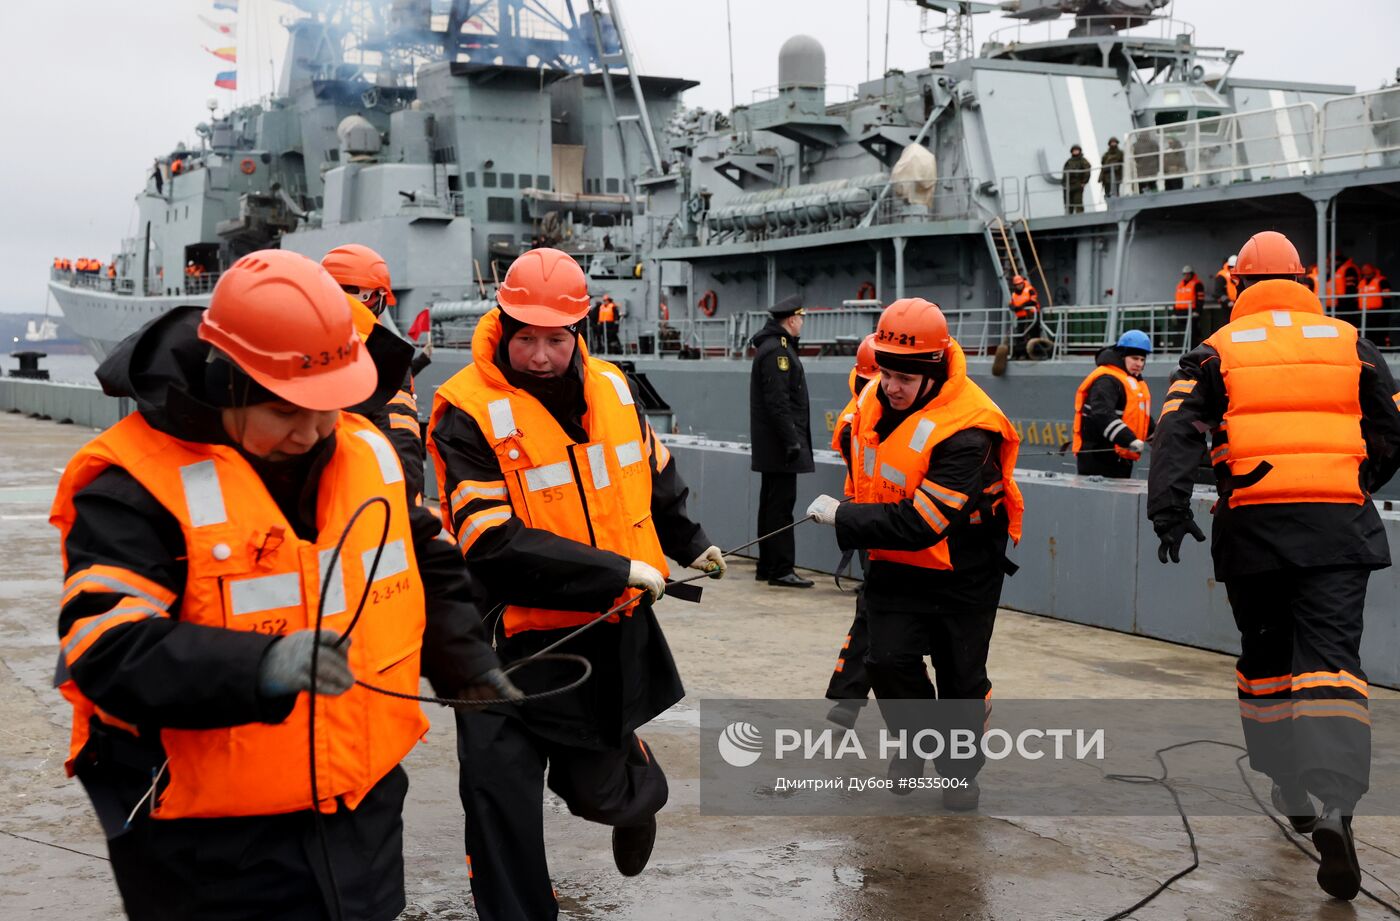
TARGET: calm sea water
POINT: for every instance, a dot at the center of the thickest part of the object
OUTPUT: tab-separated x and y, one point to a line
79	368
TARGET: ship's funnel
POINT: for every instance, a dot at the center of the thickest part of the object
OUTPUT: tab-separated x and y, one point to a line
802	63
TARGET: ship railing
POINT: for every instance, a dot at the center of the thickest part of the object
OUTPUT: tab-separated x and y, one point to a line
836	93
1083	329
1262	144
96	281
1360	131
1375	316
1058	29
200	284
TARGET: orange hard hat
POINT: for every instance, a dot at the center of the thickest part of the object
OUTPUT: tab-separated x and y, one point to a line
544	287
913	328
283	320
865	357
1268	253
358	265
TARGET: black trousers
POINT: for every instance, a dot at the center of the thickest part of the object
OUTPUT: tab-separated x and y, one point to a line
1303	694
777	493
957	644
502	787
849	680
267	867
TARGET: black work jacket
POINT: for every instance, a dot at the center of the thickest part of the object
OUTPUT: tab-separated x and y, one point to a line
1255	539
160	672
780	423
634	675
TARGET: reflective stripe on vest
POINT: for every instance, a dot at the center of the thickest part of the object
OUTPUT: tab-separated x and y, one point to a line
903	457
1292	381
237	578
1137	408
597	492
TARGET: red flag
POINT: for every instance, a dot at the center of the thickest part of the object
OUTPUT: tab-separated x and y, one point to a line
421	324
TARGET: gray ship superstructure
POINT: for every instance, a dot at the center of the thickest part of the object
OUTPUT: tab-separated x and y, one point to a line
491	128
448	141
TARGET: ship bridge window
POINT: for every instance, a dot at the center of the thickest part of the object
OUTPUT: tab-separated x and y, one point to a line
470	177
524	180
488	179
542	183
507	180
612	186
500	209
1171	118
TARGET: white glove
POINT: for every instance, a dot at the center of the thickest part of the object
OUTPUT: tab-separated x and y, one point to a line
823	509
711	561
1138	446
648	578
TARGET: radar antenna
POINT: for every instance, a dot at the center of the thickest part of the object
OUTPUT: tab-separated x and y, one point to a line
955	34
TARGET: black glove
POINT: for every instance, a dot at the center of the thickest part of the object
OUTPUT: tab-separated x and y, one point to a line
793	454
492	685
1172	529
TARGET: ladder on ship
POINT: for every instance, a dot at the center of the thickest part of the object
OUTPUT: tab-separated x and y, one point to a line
1004	245
614	59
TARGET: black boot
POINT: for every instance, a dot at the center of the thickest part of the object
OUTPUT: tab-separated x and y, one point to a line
791	580
1296	806
1339	874
632	847
845	712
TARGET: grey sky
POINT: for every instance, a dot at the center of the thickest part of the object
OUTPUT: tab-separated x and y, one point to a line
97	88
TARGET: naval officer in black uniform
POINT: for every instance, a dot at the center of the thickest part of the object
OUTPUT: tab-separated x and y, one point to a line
780	430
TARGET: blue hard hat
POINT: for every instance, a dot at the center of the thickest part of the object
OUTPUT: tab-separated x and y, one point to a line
1135	339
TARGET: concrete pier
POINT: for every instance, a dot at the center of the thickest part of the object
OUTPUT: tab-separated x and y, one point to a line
744	640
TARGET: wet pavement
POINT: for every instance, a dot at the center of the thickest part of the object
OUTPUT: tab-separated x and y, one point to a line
745	640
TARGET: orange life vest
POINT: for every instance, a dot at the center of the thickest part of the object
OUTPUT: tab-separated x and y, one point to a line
1292	380
1370	291
1337	286
1186	292
844	420
897	468
1025	302
607	311
1231	291
1137	407
596	493
248	570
